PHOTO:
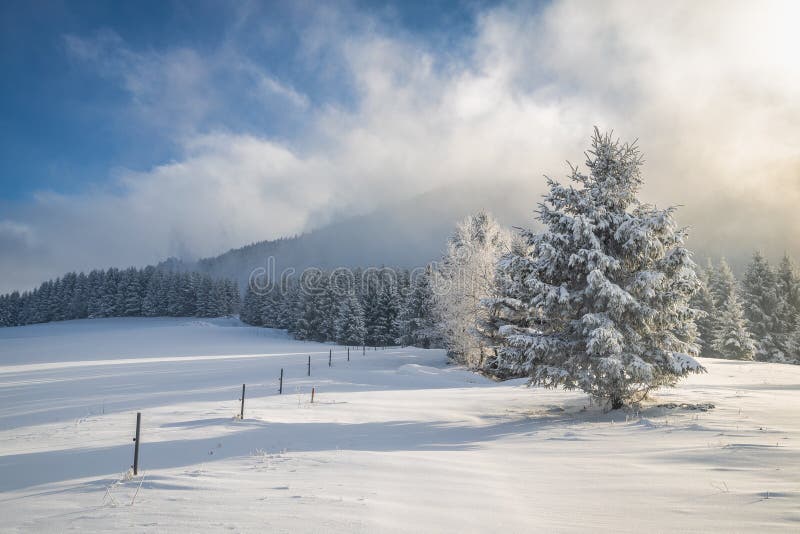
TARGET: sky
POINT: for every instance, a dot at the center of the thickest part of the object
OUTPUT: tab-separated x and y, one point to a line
134	131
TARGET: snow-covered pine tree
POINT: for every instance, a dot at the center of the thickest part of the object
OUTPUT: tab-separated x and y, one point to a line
732	338
703	301
121	294
5	311
150	302
350	329
267	306
95	289
173	284
721	282
220	298
328	302
79	302
415	323
461	282
602	294
203	288
310	324
108	297
788	313
248	313
291	305
234	297
759	289
509	305
189	284
388	306
371	292
131	291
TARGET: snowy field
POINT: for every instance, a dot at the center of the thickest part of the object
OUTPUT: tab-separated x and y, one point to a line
396	441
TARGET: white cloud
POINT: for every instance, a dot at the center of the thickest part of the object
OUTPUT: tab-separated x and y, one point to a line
709	88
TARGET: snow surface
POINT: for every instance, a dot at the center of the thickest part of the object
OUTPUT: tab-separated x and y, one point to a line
396	441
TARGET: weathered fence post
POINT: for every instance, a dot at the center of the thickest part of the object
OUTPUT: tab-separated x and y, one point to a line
312	395
330	357
280	383
241	414
364	350
348	354
136	444
309	366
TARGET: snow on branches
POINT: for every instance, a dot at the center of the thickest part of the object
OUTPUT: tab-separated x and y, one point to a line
599	300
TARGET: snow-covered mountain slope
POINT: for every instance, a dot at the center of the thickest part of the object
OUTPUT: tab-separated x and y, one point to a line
396	441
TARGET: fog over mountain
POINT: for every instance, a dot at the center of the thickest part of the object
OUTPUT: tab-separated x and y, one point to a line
407	233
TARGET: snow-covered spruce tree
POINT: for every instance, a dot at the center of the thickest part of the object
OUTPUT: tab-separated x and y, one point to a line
370	302
789	309
415	323
350	329
250	313
150	302
721	282
463	279
732	338
509	306
599	300
388	309
703	301
759	288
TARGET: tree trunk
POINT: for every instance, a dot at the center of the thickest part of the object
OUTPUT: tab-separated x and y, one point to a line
616	403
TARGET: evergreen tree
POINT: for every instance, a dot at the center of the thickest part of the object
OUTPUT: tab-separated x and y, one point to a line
604	291
761	306
204	301
415	322
310	324
249	312
703	301
95	283
732	338
371	304
132	294
78	306
150	303
108	295
328	308
721	283
350	328
288	305
788	313
220	299
388	309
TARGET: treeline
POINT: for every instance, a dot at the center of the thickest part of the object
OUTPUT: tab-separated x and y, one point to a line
374	306
131	292
755	318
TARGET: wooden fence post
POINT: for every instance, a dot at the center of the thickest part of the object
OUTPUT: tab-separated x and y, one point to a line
241	414
309	366
136	444
280	383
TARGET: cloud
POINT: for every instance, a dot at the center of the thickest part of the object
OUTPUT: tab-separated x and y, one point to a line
709	89
14	235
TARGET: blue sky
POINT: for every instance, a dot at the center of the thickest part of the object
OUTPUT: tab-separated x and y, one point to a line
134	131
66	125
